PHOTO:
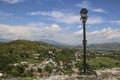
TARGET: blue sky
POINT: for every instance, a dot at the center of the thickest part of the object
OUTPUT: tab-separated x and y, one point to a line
59	20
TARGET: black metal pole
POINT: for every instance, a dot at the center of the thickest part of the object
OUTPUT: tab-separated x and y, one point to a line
84	48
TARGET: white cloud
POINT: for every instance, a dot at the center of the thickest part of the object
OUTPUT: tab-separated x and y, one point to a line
83	4
12	1
88	5
36	24
95	20
26	32
55	32
68	18
106	35
99	10
9	32
52	32
58	16
116	22
78	33
53	27
100	36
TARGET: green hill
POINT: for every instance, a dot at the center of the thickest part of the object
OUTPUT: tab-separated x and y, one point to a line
31	52
23	50
64	59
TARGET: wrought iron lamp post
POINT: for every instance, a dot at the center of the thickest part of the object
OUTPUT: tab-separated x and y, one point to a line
84	17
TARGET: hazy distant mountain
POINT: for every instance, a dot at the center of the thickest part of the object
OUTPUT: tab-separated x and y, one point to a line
106	46
53	42
41	40
5	40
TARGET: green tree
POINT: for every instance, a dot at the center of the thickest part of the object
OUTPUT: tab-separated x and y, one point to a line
17	71
48	68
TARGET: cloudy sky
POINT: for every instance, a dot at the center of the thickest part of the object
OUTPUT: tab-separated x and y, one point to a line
59	20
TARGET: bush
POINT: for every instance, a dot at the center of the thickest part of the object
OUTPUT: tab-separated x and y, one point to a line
102	63
27	78
17	71
48	69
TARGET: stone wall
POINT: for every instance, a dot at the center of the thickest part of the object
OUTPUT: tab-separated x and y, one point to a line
108	74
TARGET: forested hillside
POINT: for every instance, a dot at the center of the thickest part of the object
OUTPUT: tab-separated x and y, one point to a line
51	59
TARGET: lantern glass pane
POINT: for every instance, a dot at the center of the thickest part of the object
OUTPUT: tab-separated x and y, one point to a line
83	15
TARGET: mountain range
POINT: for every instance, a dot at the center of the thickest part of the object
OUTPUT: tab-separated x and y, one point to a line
104	46
53	42
5	40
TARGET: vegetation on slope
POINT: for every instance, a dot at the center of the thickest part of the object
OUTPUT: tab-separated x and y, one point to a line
24	50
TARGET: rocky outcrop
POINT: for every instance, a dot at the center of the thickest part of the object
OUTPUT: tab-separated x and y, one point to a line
59	77
108	74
